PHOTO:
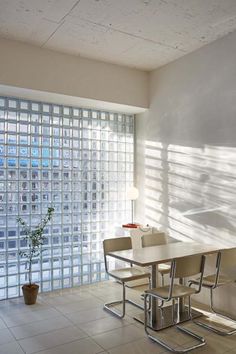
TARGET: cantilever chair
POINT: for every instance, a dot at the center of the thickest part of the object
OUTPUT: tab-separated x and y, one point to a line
157	239
225	261
122	275
180	268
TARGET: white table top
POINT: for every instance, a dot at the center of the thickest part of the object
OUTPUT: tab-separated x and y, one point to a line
159	254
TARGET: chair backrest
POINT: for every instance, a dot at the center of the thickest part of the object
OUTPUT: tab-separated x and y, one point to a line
227	258
116	244
188	266
156	239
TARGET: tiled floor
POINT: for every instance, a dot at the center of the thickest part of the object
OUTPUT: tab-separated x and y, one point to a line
73	321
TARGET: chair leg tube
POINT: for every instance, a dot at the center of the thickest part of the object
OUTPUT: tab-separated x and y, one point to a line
108	306
166	345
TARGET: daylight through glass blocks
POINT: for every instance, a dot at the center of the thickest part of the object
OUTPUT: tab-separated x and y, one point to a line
80	162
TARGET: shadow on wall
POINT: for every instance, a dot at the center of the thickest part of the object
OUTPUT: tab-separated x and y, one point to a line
191	191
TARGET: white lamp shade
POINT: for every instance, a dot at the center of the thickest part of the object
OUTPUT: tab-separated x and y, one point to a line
132	193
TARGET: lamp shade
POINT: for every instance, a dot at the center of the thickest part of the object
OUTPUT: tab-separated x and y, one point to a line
132	193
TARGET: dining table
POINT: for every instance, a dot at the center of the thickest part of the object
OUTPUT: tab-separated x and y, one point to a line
161	317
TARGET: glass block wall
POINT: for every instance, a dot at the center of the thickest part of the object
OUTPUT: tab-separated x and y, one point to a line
79	161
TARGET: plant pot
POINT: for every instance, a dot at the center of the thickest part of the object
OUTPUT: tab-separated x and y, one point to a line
30	293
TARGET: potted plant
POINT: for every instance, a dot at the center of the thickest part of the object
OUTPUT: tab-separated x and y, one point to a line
34	239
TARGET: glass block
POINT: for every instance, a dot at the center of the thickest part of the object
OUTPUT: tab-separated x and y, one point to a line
2	101
75	112
23	151
46	130
46	286
46	175
35	118
46	275
23	139
24	105
12	103
13	291
46	108
76	124
57	284
56	109
23	128
66	122
46	163
35	106
23	163
12	127
66	111
45	141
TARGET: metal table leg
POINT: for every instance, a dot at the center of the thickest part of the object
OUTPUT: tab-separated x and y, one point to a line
154	304
181	304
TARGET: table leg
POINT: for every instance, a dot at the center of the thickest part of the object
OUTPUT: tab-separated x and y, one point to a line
154	284
181	304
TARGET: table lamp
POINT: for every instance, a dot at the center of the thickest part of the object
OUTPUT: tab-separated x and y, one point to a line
132	194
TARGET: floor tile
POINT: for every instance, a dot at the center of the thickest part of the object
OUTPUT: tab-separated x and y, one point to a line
215	344
119	336
83	346
88	315
39	327
17	306
103	325
51	339
6	336
11	348
141	346
231	351
80	305
68	298
17	319
2	324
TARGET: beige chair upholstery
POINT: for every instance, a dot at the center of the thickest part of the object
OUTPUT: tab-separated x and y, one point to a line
157	239
122	275
154	239
225	263
180	268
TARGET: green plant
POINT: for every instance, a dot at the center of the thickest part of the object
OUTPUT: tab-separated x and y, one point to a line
34	239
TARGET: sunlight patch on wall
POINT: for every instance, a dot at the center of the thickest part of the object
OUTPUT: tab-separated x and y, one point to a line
190	191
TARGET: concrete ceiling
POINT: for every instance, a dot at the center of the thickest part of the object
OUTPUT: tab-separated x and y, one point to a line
144	34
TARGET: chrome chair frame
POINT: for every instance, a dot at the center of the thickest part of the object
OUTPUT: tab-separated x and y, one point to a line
169	298
211	288
123	301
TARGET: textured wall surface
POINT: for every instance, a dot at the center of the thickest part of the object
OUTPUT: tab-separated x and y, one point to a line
186	148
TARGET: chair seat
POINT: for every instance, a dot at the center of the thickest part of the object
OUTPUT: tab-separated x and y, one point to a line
164	268
129	273
178	291
209	280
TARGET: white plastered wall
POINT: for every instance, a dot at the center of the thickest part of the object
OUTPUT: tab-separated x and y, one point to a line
186	151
